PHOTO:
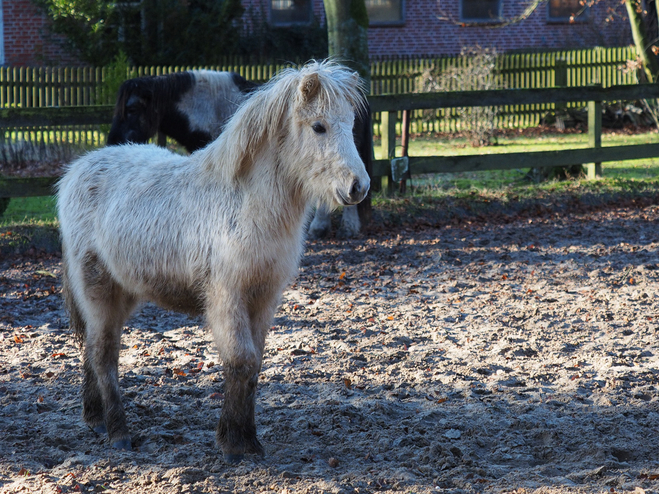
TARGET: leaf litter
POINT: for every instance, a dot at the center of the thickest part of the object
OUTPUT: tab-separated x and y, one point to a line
486	357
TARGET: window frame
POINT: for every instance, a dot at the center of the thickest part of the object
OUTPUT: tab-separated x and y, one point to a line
400	22
583	17
294	23
492	20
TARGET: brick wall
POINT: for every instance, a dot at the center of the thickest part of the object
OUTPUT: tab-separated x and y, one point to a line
27	41
431	28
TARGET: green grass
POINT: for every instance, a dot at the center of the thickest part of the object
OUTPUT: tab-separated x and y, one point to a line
510	143
30	211
443	196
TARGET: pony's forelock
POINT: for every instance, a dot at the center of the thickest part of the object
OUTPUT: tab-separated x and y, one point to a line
337	81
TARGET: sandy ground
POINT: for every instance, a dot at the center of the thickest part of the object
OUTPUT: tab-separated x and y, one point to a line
475	358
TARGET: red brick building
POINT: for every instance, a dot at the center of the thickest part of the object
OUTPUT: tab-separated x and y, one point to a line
25	39
398	27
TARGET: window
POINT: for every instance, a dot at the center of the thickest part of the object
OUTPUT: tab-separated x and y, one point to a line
480	10
385	11
284	12
566	10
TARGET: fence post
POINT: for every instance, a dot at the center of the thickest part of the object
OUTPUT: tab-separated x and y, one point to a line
594	136
388	131
404	144
560	80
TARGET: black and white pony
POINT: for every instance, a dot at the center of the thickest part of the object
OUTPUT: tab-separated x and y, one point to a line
218	233
192	107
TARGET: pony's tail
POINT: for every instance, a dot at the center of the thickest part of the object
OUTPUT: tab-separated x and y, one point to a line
76	321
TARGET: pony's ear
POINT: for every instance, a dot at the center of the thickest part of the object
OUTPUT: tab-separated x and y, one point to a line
310	86
355	78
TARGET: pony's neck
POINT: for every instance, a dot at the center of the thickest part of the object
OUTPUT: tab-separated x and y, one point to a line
277	199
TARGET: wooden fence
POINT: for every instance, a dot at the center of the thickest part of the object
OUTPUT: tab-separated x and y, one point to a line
390	106
25	87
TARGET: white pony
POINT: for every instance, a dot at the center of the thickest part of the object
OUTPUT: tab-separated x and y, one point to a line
219	232
193	108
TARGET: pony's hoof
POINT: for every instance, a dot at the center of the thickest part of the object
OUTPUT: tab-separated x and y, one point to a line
233	459
122	444
318	233
100	429
344	233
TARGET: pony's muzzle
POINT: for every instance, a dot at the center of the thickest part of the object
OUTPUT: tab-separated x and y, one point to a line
357	192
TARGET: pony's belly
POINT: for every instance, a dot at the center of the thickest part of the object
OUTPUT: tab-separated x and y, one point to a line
177	298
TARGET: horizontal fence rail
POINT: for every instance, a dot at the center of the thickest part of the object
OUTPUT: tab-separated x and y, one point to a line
27	87
501	97
54	117
389	106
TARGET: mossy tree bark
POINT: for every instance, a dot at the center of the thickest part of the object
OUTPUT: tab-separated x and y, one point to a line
643	46
347	32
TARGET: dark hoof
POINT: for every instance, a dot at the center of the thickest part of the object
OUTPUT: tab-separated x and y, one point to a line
233	459
100	429
123	444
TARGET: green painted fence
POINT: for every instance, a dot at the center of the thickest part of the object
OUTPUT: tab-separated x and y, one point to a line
26	87
390	105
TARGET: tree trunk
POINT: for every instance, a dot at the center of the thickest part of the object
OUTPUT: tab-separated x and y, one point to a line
643	46
347	32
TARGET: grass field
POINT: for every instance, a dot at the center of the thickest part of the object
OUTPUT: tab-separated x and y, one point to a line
501	185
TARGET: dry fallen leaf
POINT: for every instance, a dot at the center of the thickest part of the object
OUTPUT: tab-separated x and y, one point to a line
178	372
18	339
45	273
347	382
333	462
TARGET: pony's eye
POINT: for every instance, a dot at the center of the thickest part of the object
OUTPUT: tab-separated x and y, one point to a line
318	128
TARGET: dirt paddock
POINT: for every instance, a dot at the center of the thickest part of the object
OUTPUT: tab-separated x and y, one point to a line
493	358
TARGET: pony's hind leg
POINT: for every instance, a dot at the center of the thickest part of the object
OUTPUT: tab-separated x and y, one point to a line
105	307
92	408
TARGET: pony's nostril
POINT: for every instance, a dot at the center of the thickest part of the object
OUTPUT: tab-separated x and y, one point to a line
357	191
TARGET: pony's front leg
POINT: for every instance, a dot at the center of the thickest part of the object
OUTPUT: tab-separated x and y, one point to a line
321	225
350	224
242	356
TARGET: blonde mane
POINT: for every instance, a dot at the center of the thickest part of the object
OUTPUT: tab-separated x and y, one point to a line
260	118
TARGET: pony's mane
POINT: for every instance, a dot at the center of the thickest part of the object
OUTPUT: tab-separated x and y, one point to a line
260	118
